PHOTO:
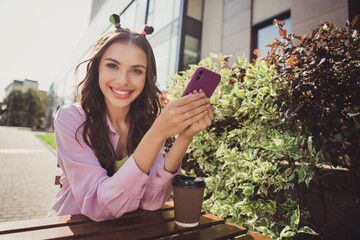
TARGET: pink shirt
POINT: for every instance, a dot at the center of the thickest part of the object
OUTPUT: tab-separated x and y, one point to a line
87	189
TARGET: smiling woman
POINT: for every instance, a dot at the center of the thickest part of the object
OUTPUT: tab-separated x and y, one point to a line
110	146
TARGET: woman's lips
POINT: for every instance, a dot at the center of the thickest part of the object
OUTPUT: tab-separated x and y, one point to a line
121	92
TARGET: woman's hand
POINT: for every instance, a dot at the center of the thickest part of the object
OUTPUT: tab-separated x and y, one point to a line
183	113
200	125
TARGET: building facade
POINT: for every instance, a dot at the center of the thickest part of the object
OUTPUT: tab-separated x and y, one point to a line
21	85
189	30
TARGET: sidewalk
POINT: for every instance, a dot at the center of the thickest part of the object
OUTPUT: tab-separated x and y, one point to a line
27	172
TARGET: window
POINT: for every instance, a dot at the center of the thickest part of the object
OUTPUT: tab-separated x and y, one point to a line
162	12
191	34
191	50
165	17
264	33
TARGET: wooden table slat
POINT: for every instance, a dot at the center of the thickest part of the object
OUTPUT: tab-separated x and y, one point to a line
158	230
139	224
33	224
51	222
91	228
218	232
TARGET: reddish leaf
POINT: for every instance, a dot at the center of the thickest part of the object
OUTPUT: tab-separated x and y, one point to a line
224	66
257	52
354	20
282	32
291	59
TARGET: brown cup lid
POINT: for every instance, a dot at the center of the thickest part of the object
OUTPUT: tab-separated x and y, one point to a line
188	182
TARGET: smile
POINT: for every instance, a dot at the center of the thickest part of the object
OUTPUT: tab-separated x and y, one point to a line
121	93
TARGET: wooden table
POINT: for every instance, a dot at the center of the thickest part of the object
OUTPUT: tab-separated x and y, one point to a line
139	224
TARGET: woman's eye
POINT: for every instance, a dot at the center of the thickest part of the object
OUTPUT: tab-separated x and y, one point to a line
137	71
111	65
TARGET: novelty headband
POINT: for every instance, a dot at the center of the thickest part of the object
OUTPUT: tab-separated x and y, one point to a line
115	19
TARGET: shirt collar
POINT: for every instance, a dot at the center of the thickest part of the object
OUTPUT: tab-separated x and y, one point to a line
108	122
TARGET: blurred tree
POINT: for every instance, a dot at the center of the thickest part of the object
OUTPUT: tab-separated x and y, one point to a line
24	109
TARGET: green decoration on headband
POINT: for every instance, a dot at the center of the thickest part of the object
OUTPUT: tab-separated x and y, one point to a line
115	19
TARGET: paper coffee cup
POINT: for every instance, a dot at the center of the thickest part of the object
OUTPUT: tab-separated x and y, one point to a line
188	198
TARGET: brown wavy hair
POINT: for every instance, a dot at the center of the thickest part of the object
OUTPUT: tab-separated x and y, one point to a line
143	109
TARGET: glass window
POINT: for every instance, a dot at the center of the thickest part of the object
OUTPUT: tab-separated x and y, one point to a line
165	55
191	51
162	12
266	33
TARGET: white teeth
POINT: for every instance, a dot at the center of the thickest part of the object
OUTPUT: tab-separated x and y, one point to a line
120	92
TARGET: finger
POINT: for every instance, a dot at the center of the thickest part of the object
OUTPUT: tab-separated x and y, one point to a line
211	113
208	119
194	119
195	111
188	99
193	105
202	123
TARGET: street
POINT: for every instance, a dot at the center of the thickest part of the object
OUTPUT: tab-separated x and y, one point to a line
27	172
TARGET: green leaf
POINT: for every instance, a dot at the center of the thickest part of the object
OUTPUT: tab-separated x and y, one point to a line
279	142
266	231
295	220
288	185
295	156
264	90
308	230
287	172
249	190
353	114
309	142
287	232
273	147
309	176
301	173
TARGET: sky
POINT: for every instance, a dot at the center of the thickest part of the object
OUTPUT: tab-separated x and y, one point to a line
37	37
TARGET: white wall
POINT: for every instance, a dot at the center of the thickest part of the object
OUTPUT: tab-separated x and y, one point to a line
212	27
236	34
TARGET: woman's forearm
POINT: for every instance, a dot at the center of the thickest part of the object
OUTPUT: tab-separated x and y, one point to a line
147	150
176	153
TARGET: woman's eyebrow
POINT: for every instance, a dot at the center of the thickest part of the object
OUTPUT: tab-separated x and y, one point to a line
113	60
117	62
139	66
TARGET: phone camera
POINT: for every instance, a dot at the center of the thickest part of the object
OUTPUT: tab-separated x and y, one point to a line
201	73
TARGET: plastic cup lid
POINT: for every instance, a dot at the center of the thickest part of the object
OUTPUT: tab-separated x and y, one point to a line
188	182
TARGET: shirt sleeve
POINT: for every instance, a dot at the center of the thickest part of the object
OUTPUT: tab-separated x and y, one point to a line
99	196
159	187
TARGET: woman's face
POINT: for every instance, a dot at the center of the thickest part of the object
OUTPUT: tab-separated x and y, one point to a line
122	73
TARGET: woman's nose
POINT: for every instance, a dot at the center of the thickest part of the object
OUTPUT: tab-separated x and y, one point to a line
122	77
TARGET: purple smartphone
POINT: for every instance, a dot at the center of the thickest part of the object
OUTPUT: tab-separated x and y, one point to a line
203	79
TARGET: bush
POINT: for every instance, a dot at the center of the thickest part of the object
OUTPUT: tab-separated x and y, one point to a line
251	162
322	75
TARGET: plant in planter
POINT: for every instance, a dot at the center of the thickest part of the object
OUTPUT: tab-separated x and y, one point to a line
252	163
322	74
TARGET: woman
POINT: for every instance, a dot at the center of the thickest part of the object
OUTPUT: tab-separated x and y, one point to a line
110	146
